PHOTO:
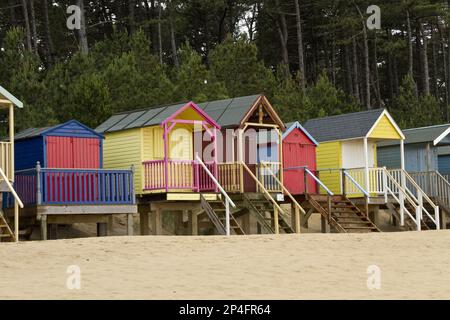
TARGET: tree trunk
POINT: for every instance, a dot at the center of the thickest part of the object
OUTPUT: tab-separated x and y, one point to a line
27	24
348	72
82	32
301	62
159	34
12	12
425	68
131	16
283	34
366	61
434	45
410	45
50	50
33	27
355	71
173	43
375	72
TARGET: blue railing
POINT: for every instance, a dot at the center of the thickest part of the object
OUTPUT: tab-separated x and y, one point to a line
48	186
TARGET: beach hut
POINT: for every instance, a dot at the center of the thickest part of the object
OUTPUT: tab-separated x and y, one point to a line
299	150
162	142
426	159
348	141
60	178
421	149
7	170
68	145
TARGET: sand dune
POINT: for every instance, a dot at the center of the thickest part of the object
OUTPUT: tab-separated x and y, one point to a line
413	265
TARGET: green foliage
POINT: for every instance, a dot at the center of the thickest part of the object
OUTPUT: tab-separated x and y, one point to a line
412	111
236	65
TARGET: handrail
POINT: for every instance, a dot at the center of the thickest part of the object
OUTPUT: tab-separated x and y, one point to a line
356	184
266	193
11	189
228	200
411	201
305	168
283	187
312	175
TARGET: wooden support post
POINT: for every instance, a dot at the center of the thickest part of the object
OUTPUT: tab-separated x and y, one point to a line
275	220
44	227
130	224
325	226
102	229
193	223
443	220
178	219
16	221
295	218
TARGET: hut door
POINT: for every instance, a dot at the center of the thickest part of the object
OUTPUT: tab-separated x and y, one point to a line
72	153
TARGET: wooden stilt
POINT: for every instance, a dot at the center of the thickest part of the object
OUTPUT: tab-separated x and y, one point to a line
324	225
44	227
130	224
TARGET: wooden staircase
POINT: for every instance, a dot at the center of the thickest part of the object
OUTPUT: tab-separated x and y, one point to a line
216	212
342	214
410	225
263	210
6	234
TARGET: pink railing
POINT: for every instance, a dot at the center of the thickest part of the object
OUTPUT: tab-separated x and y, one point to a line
181	175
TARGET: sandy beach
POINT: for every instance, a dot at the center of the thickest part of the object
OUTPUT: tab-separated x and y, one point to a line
308	266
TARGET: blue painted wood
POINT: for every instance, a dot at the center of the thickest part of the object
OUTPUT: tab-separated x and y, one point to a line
28	152
444	164
76	186
417	157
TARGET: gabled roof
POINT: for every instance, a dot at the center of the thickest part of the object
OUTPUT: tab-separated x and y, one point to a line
296	125
71	126
5	93
438	135
346	126
199	111
226	113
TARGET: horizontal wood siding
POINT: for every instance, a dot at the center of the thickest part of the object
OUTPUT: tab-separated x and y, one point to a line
28	152
444	164
328	157
385	130
123	149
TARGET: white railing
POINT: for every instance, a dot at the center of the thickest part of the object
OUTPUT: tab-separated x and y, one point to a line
6	159
375	183
435	185
18	203
417	193
228	200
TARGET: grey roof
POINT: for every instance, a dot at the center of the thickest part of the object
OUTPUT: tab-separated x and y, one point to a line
344	126
420	135
227	112
30	132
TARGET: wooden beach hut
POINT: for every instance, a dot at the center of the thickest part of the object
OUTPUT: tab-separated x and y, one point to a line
162	143
61	181
347	164
9	231
299	150
426	160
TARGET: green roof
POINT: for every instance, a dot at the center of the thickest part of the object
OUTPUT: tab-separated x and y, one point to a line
227	113
423	135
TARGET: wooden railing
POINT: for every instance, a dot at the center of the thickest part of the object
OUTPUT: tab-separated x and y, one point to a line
375	183
435	185
268	173
45	186
178	175
6	159
230	176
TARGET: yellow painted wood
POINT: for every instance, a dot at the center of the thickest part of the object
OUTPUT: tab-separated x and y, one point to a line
190	114
181	143
190	197
385	130
121	150
329	156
